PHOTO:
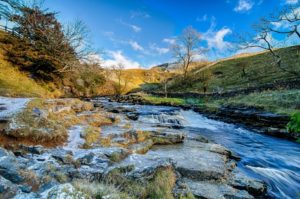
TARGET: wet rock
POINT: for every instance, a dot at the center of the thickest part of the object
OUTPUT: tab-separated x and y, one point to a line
216	148
4	153
9	167
193	160
25	188
133	116
120	110
143	167
63	156
117	154
33	149
23	195
198	138
207	190
242	182
168	137
93	172
36	149
86	159
7	188
66	191
209	166
142	147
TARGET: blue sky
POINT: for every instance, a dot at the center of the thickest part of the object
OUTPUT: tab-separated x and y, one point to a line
140	32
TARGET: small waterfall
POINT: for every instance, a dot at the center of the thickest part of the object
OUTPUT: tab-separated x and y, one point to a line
164	118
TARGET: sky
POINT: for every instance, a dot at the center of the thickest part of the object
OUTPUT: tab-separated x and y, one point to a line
139	33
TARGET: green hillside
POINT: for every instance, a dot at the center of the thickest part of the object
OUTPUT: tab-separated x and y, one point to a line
229	75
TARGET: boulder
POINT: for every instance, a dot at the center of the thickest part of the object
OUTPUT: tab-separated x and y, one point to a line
193	160
9	167
168	137
208	190
216	148
63	156
38	149
242	182
86	159
141	147
7	188
132	116
143	167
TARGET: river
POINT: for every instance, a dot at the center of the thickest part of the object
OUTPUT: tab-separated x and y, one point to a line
273	160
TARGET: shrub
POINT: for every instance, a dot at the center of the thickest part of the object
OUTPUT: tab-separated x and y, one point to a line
99	190
294	125
163	183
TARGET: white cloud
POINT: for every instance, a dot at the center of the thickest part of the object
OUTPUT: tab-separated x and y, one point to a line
170	41
215	39
139	13
203	18
136	46
117	57
200	57
291	1
158	49
244	5
285	24
135	28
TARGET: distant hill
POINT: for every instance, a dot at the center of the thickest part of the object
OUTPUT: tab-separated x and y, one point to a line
176	68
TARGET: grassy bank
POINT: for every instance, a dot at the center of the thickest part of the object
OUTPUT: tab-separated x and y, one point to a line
279	101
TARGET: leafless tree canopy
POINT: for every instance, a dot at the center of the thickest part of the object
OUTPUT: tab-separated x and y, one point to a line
77	35
186	48
285	23
121	83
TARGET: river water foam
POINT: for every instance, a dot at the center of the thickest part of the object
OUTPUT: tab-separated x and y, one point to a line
273	160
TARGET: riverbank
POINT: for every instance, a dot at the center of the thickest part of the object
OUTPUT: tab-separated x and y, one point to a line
105	150
252	117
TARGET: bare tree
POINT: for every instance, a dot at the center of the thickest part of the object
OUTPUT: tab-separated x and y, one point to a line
166	78
286	23
243	65
121	83
186	48
77	34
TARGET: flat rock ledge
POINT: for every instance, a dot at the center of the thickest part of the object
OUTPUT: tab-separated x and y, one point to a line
201	168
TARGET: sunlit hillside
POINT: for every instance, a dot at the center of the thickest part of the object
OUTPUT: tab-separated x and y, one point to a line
242	72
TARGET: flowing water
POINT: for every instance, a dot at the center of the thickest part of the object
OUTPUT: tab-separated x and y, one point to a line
273	160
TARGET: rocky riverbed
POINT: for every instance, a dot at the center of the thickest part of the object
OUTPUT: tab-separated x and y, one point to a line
99	150
253	118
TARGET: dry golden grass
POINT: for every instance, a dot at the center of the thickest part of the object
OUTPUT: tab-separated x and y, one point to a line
15	83
91	136
160	186
30	179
